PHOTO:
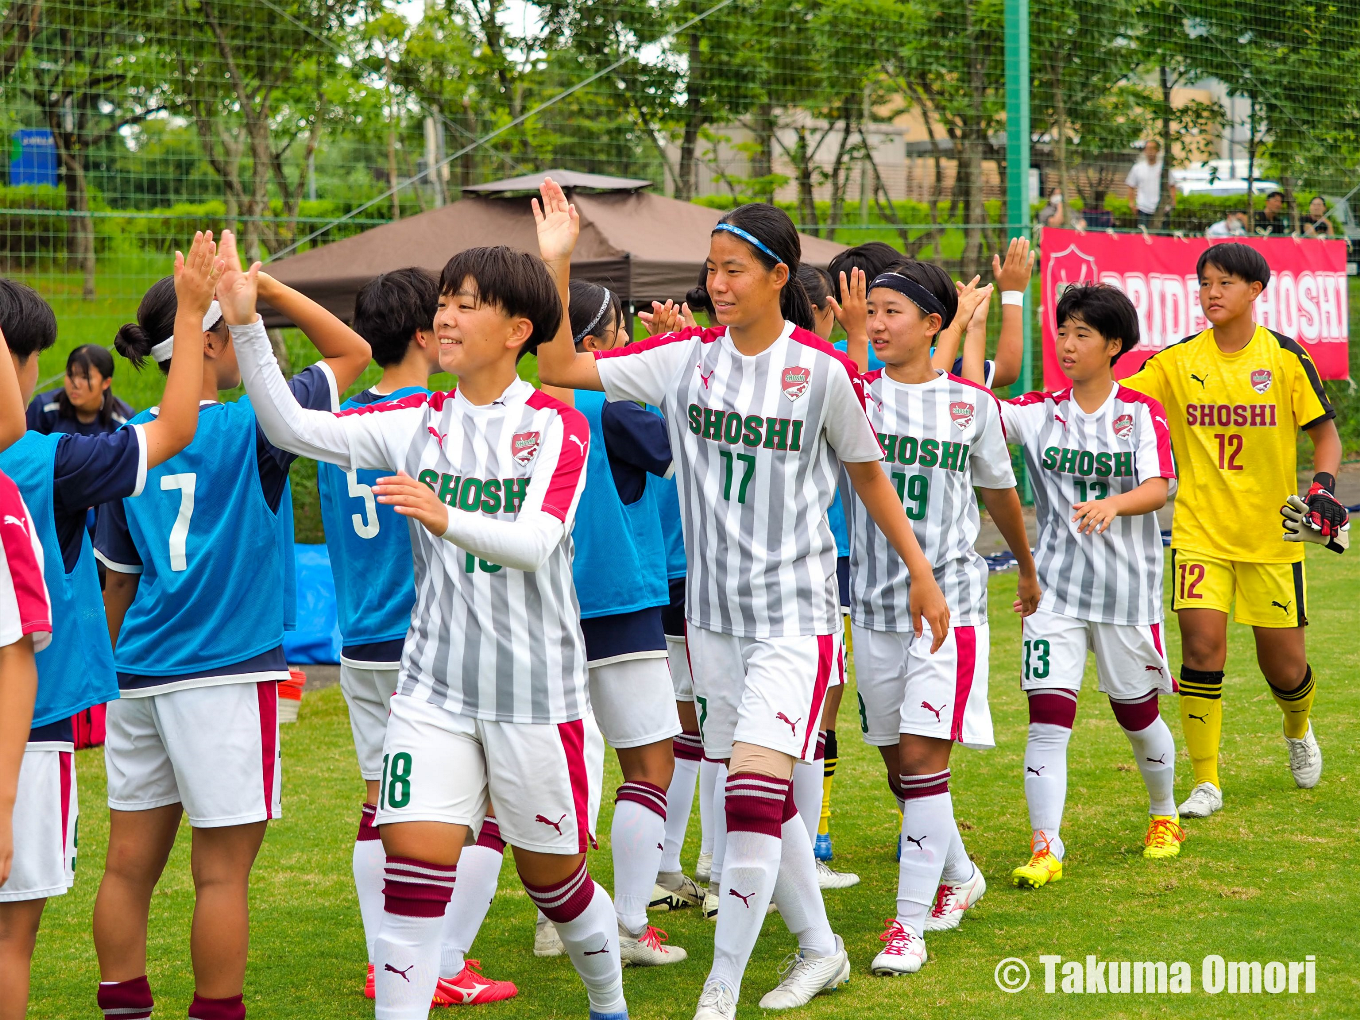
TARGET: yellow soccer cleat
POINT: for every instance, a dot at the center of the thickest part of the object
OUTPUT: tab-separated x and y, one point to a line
1164	836
1043	867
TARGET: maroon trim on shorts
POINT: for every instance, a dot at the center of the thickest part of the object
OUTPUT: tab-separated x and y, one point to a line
573	736
267	694
965	646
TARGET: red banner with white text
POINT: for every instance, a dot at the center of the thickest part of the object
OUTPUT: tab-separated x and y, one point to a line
1306	298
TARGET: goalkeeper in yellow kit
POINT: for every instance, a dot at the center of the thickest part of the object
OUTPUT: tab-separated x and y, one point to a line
1235	396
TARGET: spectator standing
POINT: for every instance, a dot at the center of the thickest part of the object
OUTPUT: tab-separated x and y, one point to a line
1316	223
1145	183
1275	220
85	404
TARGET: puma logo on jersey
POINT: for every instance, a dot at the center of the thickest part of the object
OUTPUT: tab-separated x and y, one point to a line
439	437
11	519
1284	606
745	899
579	442
1060	420
931	708
1201	718
1035	771
598	952
793	726
913	839
548	821
1154	669
403	974
1157	761
1199	380
707	380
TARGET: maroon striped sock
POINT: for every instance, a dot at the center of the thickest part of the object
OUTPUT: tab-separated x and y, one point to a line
566	900
233	1008
756	803
650	796
490	836
367	830
126	1000
417	888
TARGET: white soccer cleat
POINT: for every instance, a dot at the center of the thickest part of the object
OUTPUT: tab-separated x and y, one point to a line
716	1002
674	890
647	948
829	879
952	900
805	977
905	952
711	902
1204	800
546	940
703	868
1305	759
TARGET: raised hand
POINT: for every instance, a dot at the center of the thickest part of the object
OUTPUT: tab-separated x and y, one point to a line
197	274
557	222
1014	273
237	288
970	297
978	320
667	318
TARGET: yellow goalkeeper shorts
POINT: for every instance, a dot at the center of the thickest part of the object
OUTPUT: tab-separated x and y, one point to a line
1266	594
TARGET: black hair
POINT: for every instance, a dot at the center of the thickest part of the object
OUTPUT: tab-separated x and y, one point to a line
773	227
1106	309
516	282
871	258
28	321
585	312
817	283
932	278
79	362
697	298
391	307
155	322
1235	259
1273	194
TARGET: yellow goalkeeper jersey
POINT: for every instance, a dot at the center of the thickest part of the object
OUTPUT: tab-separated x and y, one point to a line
1234	420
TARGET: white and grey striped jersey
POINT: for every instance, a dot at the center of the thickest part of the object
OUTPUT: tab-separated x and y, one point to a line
486	640
758	443
1072	457
939	439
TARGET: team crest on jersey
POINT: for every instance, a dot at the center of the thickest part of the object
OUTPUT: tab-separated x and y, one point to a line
1123	426
523	446
962	412
795	381
1260	380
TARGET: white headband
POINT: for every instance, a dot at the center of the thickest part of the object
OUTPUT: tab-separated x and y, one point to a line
163	350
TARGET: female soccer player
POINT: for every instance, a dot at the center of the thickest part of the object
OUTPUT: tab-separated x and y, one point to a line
85	404
759	411
619	569
941	436
63	477
1099	456
197	601
492	692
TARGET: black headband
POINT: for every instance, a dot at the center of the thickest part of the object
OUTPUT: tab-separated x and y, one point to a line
913	292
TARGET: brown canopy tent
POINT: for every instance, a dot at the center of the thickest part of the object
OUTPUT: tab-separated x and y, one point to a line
643	246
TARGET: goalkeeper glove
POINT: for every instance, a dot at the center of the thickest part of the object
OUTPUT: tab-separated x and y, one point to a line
1319	518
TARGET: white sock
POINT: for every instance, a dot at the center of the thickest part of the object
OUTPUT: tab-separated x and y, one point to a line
809	778
636	841
927	830
369	858
957	865
679	804
797	894
754	808
1046	782
595	929
1155	751
709	773
479	871
406	966
719	821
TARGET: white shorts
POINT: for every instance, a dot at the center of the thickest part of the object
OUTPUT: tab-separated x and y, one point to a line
213	749
441	766
905	689
677	656
368	694
1130	659
45	810
762	691
633	701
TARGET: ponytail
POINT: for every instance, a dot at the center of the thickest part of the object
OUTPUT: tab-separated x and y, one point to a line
155	322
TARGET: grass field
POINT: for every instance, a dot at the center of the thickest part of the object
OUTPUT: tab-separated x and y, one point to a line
1270	878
